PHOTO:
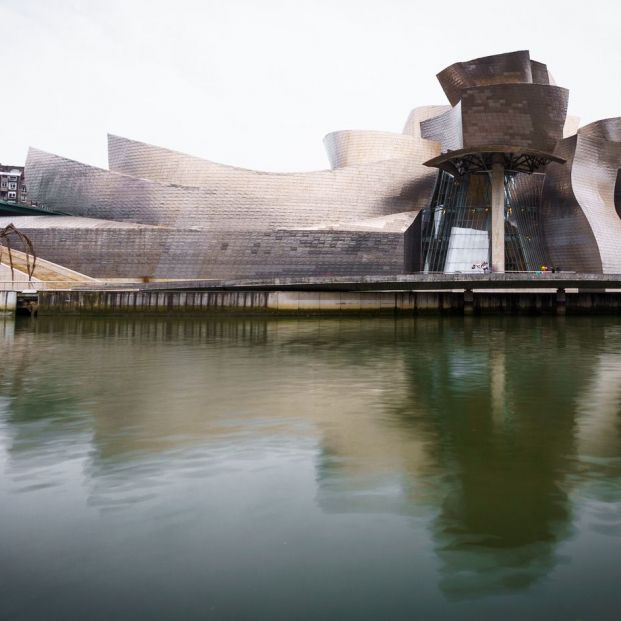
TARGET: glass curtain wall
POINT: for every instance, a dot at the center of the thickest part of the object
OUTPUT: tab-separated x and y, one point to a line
456	226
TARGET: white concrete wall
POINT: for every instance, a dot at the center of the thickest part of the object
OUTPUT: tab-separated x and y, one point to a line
8	302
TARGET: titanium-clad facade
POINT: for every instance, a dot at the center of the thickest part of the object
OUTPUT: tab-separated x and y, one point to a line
157	213
580	210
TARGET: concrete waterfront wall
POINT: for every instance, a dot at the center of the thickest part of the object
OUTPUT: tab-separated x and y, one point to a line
303	302
106	302
8	302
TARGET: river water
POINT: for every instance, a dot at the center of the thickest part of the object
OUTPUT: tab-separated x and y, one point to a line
353	469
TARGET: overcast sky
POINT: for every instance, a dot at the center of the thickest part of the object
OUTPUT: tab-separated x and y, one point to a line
258	83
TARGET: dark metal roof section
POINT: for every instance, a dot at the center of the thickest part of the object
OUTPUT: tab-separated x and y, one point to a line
502	104
481	159
509	68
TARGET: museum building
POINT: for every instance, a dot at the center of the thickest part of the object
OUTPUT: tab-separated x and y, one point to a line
500	178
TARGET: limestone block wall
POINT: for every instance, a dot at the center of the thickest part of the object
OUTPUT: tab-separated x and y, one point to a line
184	253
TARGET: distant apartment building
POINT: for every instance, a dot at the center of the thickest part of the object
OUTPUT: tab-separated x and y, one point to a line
13	185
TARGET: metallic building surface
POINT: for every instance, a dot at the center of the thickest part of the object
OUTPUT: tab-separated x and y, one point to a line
569	238
519	115
516	115
200	194
210	220
510	68
354	147
581	218
445	129
164	214
572	123
420	114
596	162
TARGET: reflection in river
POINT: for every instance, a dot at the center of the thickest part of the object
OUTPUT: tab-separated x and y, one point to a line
431	468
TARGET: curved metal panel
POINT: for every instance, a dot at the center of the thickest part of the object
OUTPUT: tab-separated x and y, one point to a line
509	68
201	195
518	115
215	221
572	123
445	129
539	72
303	199
420	114
569	236
594	176
355	147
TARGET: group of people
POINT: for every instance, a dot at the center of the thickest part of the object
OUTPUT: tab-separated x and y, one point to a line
480	267
484	268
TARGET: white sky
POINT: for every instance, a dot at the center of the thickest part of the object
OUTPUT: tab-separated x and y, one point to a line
258	83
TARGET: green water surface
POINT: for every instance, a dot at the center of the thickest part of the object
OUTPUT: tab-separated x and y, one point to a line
324	469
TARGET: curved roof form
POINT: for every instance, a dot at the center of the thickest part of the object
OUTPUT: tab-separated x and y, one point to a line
355	147
572	123
162	187
420	114
445	129
511	116
508	68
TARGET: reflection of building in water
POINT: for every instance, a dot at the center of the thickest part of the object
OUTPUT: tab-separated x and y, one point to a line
599	407
499	436
504	507
598	430
495	416
472	422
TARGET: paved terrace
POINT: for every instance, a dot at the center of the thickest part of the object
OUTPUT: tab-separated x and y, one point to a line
66	279
406	282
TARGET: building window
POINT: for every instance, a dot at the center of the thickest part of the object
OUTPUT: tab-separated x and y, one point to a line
12	186
13	178
3	185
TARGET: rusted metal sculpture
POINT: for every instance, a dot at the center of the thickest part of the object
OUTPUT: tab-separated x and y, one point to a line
31	258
